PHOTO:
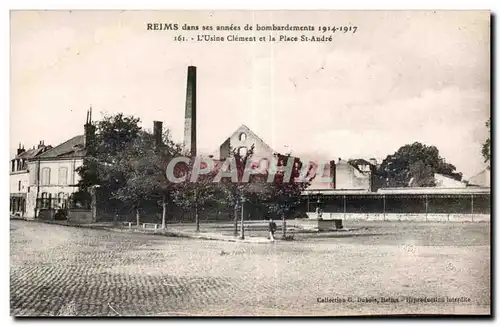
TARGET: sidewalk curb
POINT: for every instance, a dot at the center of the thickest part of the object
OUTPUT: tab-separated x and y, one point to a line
167	233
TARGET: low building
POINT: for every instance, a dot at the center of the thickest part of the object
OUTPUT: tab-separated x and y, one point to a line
342	175
19	177
482	179
443	181
242	140
53	175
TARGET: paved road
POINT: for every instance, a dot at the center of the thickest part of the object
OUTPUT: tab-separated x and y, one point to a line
58	270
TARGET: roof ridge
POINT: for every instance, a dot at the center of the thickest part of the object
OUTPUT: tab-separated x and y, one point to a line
255	135
58	146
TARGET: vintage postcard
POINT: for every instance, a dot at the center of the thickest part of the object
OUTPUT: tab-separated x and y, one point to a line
249	163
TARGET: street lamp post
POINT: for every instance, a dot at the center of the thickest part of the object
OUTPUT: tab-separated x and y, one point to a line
93	201
242	217
235	219
318	208
196	217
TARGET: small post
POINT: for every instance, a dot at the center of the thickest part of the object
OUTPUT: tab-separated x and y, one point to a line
236	219
426	206
242	218
472	207
383	211
344	199
164	213
197	218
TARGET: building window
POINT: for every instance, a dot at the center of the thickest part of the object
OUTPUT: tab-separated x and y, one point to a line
19	185
63	176
60	200
45	201
45	176
242	151
243	136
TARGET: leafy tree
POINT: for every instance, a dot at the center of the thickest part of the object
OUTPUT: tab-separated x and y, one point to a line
114	133
133	163
164	188
421	175
249	187
284	192
194	194
143	165
486	149
416	163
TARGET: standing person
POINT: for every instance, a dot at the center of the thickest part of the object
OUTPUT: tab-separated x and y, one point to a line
272	229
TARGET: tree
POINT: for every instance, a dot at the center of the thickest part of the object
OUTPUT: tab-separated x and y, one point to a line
163	156
486	149
421	175
194	195
133	163
235	194
114	133
416	163
284	192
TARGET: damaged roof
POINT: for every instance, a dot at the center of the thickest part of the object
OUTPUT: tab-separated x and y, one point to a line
72	148
32	152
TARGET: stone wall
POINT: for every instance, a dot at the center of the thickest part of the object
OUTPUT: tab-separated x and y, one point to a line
80	215
404	217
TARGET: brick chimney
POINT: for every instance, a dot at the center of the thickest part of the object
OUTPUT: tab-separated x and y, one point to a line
40	145
190	113
89	131
20	150
333	174
158	133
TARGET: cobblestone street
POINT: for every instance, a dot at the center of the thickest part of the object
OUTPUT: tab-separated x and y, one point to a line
66	271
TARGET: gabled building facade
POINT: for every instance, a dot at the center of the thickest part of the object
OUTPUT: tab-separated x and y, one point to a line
19	177
342	175
242	140
53	176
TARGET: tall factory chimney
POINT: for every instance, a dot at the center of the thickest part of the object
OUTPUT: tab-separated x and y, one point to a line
190	115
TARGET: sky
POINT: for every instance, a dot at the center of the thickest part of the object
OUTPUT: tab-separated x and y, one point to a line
404	76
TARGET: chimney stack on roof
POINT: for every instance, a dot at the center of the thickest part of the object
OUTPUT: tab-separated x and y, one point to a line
89	130
158	133
40	145
20	149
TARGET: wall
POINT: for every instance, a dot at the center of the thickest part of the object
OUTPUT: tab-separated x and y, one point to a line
400	203
348	177
15	177
55	185
80	215
261	150
224	149
482	179
443	181
404	217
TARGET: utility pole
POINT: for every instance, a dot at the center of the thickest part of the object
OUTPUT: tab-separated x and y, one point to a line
236	219
242	217
37	188
197	219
